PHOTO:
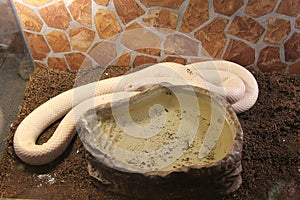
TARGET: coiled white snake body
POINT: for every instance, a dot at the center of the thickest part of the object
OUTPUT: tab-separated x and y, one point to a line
226	78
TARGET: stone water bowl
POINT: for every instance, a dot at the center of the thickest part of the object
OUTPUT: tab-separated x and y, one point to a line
164	143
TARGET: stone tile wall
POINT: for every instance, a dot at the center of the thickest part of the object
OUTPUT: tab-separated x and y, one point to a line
71	34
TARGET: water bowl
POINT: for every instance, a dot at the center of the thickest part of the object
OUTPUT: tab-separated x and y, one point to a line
164	142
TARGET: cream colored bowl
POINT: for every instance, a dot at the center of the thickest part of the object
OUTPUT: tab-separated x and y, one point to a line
179	140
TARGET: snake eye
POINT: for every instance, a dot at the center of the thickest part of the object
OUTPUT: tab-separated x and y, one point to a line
128	87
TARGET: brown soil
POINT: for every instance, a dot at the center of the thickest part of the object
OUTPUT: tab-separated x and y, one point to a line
270	162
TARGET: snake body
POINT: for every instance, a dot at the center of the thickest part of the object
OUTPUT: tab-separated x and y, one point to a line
226	78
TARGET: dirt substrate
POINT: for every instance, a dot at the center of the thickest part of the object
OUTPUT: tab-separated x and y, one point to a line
270	162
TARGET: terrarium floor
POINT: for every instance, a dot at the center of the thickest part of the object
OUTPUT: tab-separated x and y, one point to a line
271	168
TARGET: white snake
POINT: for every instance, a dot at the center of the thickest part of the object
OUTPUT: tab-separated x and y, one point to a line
238	84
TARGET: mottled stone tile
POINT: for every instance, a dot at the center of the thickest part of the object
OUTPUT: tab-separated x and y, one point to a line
58	41
292	48
227	7
28	19
140	38
161	19
295	68
134	25
123	60
81	38
78	61
195	15
150	51
128	10
181	45
38	46
103	53
212	37
102	2
258	8
246	28
175	59
57	63
81	10
56	15
278	30
37	2
136	38
107	24
39	64
239	52
142	60
175	4
269	60
297	23
289	7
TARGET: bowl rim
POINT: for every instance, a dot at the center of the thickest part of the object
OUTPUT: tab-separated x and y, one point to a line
234	155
